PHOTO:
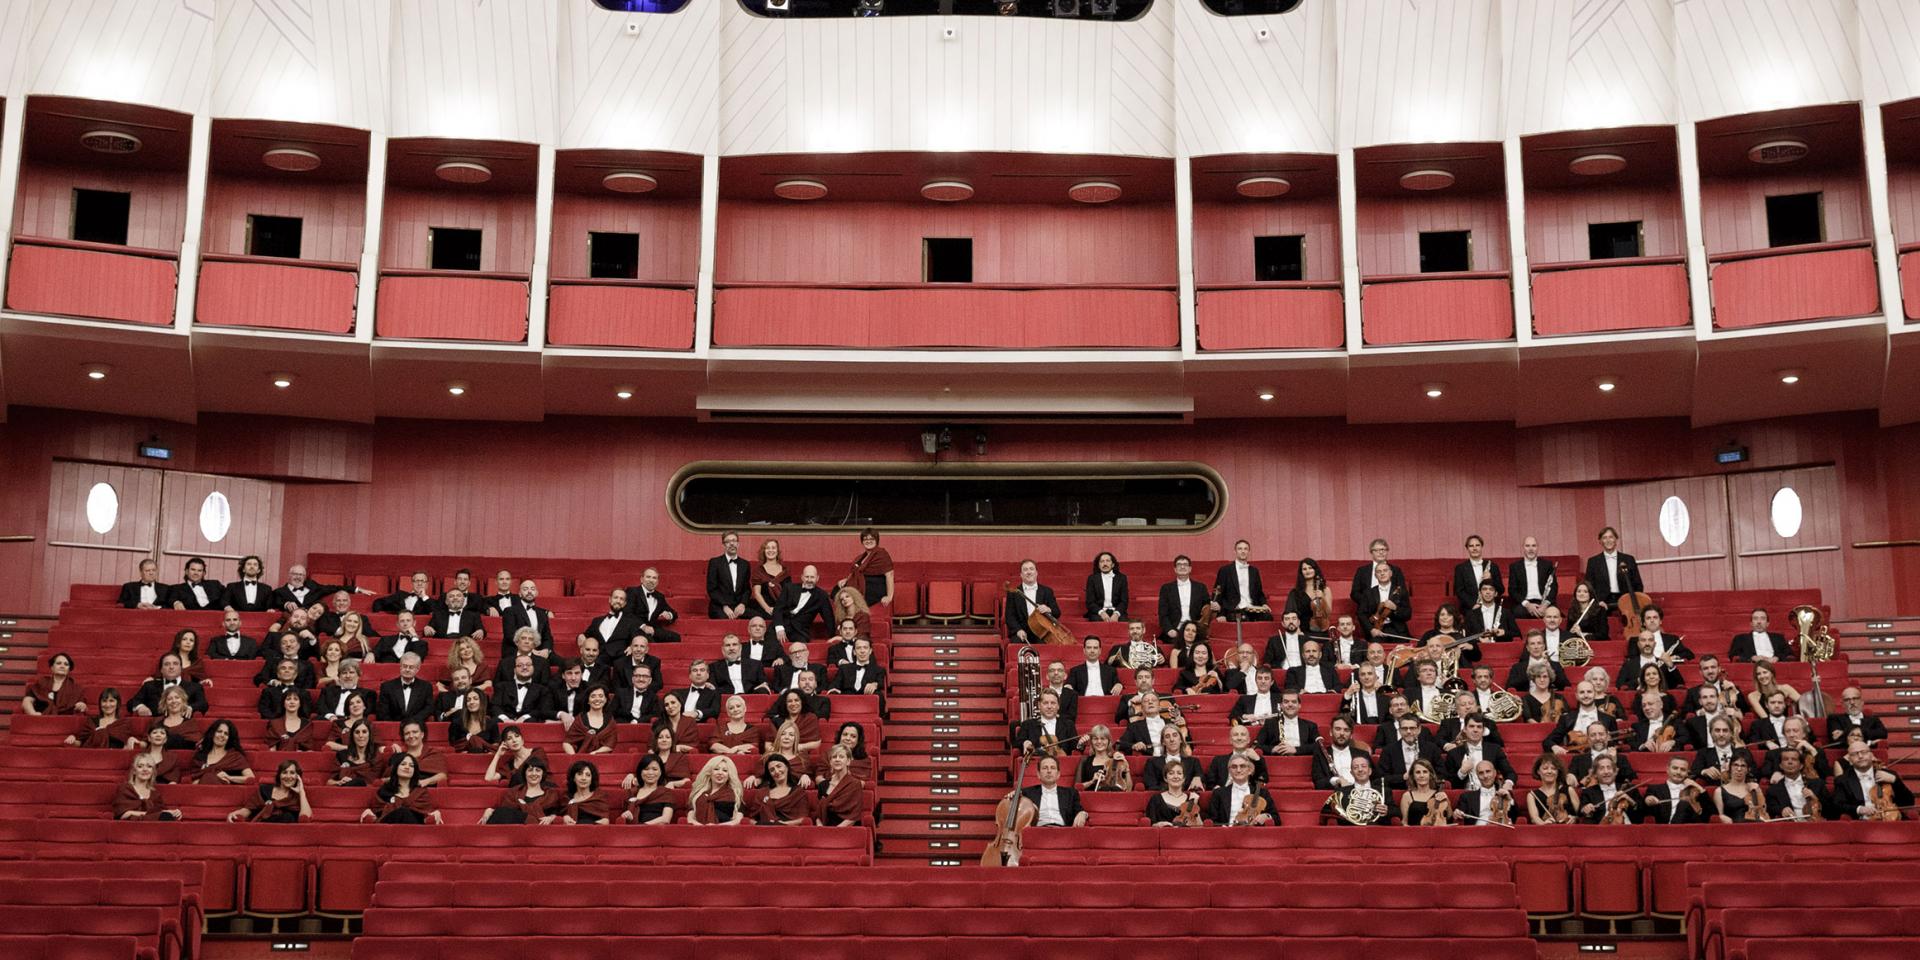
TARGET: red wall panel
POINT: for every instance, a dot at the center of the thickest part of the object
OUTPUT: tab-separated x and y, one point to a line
442	307
603	313
669	234
505	221
1557	220
1910	284
1733	212
1699	562
333	215
1389	230
1611	297
1223	237
1817	543
1787	287
285	449
76	554
827	242
156	211
939	316
275	293
1903	198
91	280
1433	311
1272	319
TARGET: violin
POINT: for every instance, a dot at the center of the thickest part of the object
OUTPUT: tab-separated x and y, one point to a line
1439	812
1883	806
1321	612
1557	806
1189	813
1050	745
1386	609
1622	802
1554	710
1691	795
1663	739
1251	809
1631	606
1502	811
1203	627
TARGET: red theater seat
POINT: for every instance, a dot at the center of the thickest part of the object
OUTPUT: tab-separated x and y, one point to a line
946	601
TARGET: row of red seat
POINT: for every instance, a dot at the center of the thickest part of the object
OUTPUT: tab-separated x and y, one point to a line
1716	890
128	912
1224	945
43	947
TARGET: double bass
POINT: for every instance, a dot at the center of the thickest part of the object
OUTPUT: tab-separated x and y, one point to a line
1012	816
1041	625
1631	606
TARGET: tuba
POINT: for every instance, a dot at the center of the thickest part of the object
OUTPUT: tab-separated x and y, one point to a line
1505	708
1575	651
1816	644
1359	808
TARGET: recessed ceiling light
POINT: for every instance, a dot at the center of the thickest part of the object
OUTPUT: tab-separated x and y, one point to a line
282	380
1597	164
457	387
1778	151
96	371
1266	394
1788	376
1094	191
1606	384
629	181
799	189
947	191
1433	179
463	171
291	159
624	393
1262	188
110	141
1434	390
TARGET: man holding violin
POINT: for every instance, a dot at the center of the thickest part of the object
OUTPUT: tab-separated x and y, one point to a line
1867	791
1047	731
1240	802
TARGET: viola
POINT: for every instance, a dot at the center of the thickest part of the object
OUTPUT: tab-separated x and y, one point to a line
1322	613
1204	625
1883	806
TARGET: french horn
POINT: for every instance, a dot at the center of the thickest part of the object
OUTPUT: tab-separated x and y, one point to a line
1505	707
1575	651
1439	708
1359	809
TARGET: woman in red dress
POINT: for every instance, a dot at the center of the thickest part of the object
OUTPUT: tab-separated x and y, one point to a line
472	730
282	801
686	730
593	731
782	801
531	800
791	707
166	766
219	758
673	763
294	729
110	729
854	737
139	797
872	572
736	735
55	693
841	793
403	798
716	796
430	763
652	803
358	758
514	750
768	579
585	803
176	717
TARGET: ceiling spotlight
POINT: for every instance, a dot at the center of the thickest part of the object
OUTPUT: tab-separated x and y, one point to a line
629	181
96	371
1434	390
1266	394
291	159
1434	179
1606	384
110	141
1066	8
779	6
799	189
282	380
463	171
624	393
1778	151
457	387
1788	376
1597	164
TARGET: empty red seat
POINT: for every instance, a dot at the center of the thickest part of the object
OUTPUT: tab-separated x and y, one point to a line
906	601
946	601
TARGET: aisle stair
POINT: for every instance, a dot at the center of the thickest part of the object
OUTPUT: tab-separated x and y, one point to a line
1883	658
945	746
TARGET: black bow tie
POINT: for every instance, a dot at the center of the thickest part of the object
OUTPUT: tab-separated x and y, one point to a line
233	636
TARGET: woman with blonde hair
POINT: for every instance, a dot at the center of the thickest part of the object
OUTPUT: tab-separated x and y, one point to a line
848	604
716	795
353	636
467	653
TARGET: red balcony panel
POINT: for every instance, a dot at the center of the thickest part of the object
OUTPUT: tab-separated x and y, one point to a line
1429	308
243	291
1910	280
1271	316
98	281
452	305
620	313
1816	281
1006	316
1640	293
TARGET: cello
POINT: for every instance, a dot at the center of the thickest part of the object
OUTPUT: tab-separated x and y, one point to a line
1631	606
1041	625
1011	817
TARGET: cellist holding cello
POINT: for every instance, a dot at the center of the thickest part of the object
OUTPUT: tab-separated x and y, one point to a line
1023	600
1612	572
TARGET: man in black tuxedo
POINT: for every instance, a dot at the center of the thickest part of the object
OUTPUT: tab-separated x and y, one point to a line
1481	794
1531	583
1758	642
1048	724
230	643
417	600
1054	804
454	619
1398	755
1237	591
339	603
524	698
196	592
1288	734
1373	599
528	612
146	702
1475	570
595	670
1612	573
639	701
1333	761
1665	801
1094	677
615	628
1460	761
301	592
699	699
406	697
1853	716
650	609
405	640
1787	796
786	676
1363	575
1854	784
758	646
1030	595
727	581
800	605
332	702
736	673
1230	798
146	593
1313	675
1181	600
862	675
503	597
250	594
1489	617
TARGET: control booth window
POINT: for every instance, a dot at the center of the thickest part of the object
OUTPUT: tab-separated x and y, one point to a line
1111	10
957	498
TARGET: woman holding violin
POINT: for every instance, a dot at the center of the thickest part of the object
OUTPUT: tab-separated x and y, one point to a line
1198	674
1424	803
1176	805
1557	798
1739	799
1104	768
1309	599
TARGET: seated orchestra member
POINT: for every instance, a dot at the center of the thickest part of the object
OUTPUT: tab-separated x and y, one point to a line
615	628
727	581
56	692
502	599
451	618
1181	600
138	798
638	701
767	580
1237	591
405	640
1333	761
1143	735
1055	804
402	798
1474	749
593	730
1588	616
1712	675
1453	730
286	648
109	728
651	611
1540	703
1557	798
1611	572
1796	794
1366	699
1739	799
781	801
1758	643
529	614
1239	744
293	729
356	758
1599	745
250	594
1484	696
1553	629
1765	686
1106	592
1045	732
417	599
529	800
1138	650
1384	606
196	592
1471	574
1423	687
716	797
463	582
431	769
1309	600
652	802
1657	730
513	749
230	643
1093	677
847	629
567	696
1284	651
218	758
1423	798
664	744
686	730
842	795
1854	786
1178	803
802	603
1487	619
597	669
735	672
1608	795
1647	650
1240	800
583	800
1104	768
1026	597
638	655
300	593
1409	746
1487	798
1530	581
1710	709
1677	799
1365	576
406	697
1312	675
1344	644
1853	717
1173	747
146	593
1769	729
1128	709
285	680
1199	674
334	697
282	801
186	646
1341	801
1711	759
700	699
872	571
339	607
1588	710
522	699
734	734
326	670
471	730
1814	759
786	676
1288	734
169	677
861	676
760	648
1238	678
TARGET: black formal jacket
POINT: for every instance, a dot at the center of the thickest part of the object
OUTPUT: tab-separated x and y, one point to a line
397	602
332	702
1778	803
537	707
1396	621
1171	614
1030	733
517	616
751	675
719	592
1629	581
1871	727
784	673
1470	805
1323	770
236	596
1594	796
637	608
1226	587
1517	582
1466	590
705	701
1269	736
1093	597
441	623
1517	679
1659	801
1296	677
1848	799
1109	678
149	696
314	592
1018	609
130	594
1489	751
611	645
1394	765
1363	581
651	709
843	679
817	606
419	705
1502	620
621	668
1222	799
182	593
1069	801
215	646
383	652
1740	648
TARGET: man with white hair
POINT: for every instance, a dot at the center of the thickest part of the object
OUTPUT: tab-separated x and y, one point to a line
406	697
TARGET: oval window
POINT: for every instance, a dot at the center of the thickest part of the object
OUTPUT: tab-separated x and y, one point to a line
215	517
1675	522
1786	512
103	507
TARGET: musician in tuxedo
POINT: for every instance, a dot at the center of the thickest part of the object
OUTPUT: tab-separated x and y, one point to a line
567	696
1366	699
1600	746
502	599
1531	583
1345	644
636	656
1475	747
595	671
1853	716
1475	570
1332	812
1094	677
1711	762
1612	573
757	646
699	699
1181	600
300	592
196	592
1106	593
1665	802
1479	795
146	701
638	701
1487	619
1383	591
1048	723
1365	577
1333	758
1237	591
1231	797
1056	681
331	704
1028	596
250	593
1536	653
1712	677
1263	702
728	581
406	697
1397	755
146	593
1853	786
615	628
1588	710
786	676
1284	649
1610	783
453	619
1313	675
230	643
405	640
736	673
1054	804
417	599
650	610
862	676
1788	794
1288	734
1796	743
1759	642
802	603
524	698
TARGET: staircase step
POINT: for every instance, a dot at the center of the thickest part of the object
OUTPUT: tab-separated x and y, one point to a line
892	793
923	809
947	653
946	761
933	849
994	746
946	703
921	779
942	689
903	828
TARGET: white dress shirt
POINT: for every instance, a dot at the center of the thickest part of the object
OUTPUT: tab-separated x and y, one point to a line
1106	591
1612	561
1532	568
200	593
1762	644
1246	590
1049	813
150	593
